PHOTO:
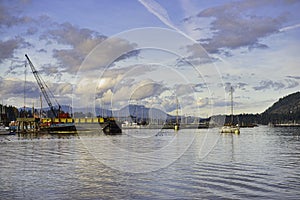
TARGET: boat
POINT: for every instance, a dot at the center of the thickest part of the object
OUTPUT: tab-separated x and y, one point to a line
130	125
171	125
62	127
231	128
111	127
4	130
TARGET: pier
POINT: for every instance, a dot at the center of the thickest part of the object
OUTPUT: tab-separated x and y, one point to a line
28	125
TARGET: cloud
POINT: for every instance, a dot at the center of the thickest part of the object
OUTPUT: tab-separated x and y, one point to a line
183	89
233	27
276	85
202	101
31	31
8	20
290	83
157	10
241	85
61	89
294	77
131	91
116	77
15	87
8	47
288	28
80	42
145	89
42	51
197	56
188	89
51	71
108	53
79	38
109	83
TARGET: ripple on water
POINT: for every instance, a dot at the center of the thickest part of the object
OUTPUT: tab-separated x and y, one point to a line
257	164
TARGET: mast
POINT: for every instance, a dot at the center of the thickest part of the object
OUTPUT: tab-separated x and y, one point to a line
176	127
177	111
231	94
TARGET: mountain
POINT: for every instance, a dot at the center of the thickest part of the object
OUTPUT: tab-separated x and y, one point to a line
285	110
286	105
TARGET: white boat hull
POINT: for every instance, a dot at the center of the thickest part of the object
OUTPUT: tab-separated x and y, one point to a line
230	129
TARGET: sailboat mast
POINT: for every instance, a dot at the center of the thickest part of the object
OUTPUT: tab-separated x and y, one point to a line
231	94
176	110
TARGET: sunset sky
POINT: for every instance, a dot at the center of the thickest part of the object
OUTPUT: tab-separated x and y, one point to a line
111	53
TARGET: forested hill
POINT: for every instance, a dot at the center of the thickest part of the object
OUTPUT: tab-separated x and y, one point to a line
286	105
285	110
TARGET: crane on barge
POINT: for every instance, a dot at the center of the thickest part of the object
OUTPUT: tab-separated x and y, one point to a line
57	114
42	85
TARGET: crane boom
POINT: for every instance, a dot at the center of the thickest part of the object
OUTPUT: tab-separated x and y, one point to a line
41	86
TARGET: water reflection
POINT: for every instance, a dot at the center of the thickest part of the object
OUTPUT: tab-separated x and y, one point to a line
260	163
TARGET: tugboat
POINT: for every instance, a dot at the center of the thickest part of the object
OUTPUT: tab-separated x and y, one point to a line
111	127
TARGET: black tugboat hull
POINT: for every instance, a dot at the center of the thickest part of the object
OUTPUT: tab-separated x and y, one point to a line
60	128
111	128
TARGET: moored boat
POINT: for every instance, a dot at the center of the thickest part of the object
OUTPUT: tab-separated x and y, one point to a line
111	127
4	130
231	128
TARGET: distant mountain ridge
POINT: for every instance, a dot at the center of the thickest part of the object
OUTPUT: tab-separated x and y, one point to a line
285	110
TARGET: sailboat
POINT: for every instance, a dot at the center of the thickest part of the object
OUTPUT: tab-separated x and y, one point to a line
231	128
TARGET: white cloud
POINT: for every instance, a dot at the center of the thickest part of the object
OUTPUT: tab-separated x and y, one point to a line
107	53
288	28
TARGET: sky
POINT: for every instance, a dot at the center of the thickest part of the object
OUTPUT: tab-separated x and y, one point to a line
183	54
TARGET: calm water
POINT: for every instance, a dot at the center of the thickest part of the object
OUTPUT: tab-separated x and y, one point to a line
260	163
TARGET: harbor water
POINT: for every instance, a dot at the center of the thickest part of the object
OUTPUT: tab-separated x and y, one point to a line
260	163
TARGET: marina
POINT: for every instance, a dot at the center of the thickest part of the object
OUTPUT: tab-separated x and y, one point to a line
149	99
